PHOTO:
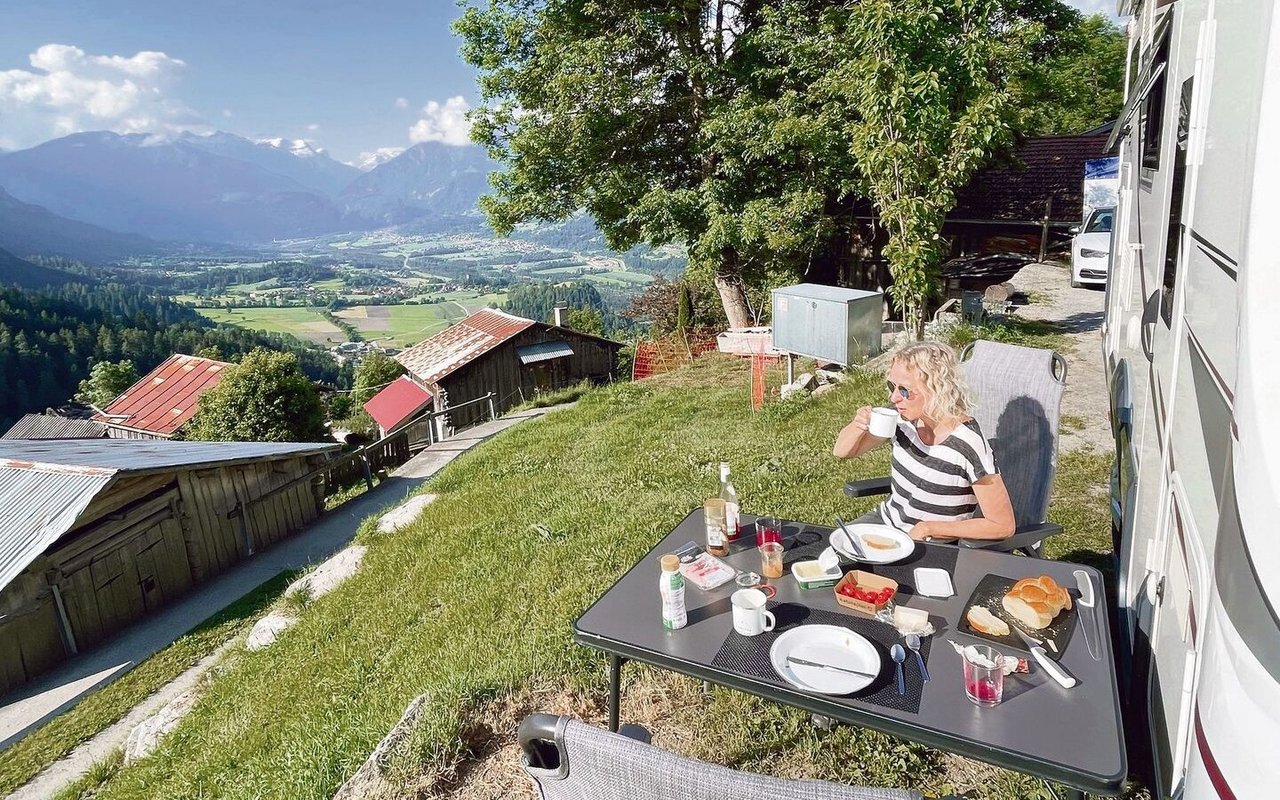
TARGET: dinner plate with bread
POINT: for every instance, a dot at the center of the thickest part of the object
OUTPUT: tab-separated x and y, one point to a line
1039	607
881	544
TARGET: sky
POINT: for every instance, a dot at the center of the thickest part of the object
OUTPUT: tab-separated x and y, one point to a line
354	78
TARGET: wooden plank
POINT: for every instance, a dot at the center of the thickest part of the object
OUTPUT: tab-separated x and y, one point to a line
81	602
33	644
121	492
142	553
176	567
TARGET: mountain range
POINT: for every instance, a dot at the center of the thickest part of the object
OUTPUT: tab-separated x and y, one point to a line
223	188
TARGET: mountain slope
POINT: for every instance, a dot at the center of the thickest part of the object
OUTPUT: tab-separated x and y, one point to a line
28	229
15	271
296	159
429	178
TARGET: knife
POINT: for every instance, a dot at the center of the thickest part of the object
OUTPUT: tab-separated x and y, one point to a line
1052	667
804	662
853	540
1085	586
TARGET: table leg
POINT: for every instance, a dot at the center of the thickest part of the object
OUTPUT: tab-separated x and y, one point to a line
615	690
1071	793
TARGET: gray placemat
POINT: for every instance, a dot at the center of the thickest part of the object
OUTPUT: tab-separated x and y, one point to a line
749	655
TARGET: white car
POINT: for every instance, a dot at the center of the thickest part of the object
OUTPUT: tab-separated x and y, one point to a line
1091	249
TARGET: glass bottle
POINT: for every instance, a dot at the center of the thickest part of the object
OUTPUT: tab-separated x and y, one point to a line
717	534
732	521
671	587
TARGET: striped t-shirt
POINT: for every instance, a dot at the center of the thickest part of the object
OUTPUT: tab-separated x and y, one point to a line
935	482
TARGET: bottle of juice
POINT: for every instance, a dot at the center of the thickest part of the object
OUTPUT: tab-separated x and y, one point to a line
732	522
671	587
717	534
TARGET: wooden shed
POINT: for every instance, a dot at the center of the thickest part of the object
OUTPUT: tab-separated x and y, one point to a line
97	533
514	358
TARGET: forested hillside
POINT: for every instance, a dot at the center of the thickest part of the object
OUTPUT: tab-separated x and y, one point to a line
50	337
537	301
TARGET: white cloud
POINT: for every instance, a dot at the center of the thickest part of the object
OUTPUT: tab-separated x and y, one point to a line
68	90
373	158
313	127
445	122
402	102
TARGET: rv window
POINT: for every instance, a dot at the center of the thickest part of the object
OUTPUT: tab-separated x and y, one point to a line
1153	109
1174	234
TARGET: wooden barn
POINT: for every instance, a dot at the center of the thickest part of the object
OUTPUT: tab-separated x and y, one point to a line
162	400
514	358
97	533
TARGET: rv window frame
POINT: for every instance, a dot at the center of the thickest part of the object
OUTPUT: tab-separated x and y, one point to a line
1151	136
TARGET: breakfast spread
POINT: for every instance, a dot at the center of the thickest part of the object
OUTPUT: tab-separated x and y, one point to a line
1034	602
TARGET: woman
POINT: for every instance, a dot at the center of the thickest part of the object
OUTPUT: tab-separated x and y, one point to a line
943	471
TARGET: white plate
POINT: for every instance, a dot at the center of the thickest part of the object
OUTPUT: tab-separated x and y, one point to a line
825	644
839	540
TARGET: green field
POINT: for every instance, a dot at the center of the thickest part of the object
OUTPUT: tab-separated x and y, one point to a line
396	326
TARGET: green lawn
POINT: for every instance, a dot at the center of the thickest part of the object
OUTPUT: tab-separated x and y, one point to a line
306	323
476	599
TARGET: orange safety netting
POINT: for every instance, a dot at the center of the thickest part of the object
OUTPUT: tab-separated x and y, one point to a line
660	356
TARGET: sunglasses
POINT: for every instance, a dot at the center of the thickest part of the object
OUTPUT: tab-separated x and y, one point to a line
902	390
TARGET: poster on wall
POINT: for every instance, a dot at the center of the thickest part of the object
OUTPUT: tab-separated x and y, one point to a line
1101	184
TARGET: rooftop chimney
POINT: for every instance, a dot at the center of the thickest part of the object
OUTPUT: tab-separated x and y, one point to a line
559	312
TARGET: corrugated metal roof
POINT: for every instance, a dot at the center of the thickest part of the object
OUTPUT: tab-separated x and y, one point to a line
166	397
47	426
145	455
38	504
543	351
400	400
434	358
46	484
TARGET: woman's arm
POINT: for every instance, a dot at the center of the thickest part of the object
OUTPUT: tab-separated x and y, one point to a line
854	438
996	522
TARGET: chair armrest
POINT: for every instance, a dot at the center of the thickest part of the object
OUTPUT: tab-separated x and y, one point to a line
1023	539
867	488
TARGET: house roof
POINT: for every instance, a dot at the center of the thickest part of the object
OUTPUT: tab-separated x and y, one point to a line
46	485
460	344
1049	168
544	351
402	399
166	397
49	426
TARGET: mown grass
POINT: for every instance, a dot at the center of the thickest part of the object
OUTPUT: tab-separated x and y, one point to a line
25	759
477	598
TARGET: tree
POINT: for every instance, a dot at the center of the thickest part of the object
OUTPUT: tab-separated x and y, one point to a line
1077	82
587	320
264	398
376	370
925	100
106	381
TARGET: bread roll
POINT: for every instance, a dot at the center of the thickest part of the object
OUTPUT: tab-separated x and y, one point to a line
1032	614
983	621
1042	595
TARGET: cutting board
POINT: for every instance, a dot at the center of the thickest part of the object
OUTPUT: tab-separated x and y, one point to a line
989	592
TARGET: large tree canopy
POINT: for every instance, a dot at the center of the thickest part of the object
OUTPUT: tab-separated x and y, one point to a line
264	398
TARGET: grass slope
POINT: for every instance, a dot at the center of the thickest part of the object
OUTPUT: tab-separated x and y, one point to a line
478	596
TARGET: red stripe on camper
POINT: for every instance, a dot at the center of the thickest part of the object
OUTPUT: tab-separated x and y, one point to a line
1216	779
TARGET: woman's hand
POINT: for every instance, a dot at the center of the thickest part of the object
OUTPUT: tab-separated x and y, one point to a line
854	439
924	531
862	420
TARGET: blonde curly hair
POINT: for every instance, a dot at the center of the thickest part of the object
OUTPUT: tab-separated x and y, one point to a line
938	367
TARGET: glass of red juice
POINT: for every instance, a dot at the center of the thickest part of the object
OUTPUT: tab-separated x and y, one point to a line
983	675
768	529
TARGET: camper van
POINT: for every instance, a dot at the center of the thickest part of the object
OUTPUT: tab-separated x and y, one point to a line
1191	341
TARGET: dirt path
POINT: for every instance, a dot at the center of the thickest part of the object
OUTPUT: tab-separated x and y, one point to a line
1079	313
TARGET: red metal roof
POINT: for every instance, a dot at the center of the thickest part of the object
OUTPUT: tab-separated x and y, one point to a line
397	403
434	358
166	397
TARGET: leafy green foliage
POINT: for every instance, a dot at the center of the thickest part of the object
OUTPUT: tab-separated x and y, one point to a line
264	398
106	381
376	370
587	320
1074	80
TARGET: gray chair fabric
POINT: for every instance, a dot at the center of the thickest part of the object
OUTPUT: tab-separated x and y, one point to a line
1018	393
569	760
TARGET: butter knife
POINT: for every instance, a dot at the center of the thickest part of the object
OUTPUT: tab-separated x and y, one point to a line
804	662
1055	670
852	539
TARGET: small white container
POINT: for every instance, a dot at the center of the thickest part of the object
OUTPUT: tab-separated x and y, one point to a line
933	582
811	575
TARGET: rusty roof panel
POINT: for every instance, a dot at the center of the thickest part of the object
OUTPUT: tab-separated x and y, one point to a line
433	359
166	397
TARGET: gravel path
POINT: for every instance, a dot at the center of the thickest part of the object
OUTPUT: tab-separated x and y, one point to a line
1079	313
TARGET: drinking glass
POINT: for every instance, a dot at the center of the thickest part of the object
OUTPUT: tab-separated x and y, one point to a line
768	529
983	675
771	559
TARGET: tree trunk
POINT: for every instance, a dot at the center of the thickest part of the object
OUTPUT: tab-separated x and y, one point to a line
734	299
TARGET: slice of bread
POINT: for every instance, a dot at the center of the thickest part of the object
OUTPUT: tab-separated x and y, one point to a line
1034	615
879	542
983	621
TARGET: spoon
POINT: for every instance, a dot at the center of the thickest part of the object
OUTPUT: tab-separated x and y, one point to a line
899	655
913	642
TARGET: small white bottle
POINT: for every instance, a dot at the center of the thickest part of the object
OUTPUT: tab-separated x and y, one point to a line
671	586
733	523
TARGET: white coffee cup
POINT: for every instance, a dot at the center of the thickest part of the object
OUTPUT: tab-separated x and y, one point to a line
884	421
749	615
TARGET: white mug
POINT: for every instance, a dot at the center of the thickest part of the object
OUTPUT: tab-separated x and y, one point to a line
884	421
749	615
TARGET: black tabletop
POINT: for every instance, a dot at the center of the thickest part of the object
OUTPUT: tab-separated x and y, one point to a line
1072	736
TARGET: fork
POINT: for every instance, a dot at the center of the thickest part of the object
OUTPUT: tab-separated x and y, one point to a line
853	540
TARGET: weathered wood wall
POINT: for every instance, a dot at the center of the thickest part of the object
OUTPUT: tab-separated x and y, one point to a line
141	544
